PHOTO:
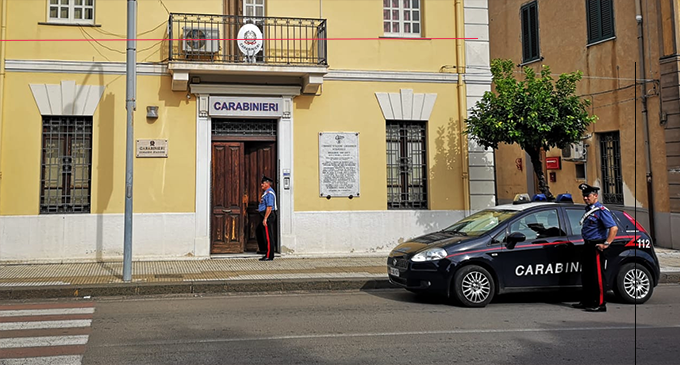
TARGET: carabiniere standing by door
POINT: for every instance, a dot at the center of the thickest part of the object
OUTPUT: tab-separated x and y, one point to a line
266	230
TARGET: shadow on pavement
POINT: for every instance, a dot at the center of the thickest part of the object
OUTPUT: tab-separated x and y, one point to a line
561	298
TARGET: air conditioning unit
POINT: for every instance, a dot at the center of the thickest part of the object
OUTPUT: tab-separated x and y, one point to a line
574	152
198	41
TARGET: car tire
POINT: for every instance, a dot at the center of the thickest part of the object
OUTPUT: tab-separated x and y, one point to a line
634	283
473	286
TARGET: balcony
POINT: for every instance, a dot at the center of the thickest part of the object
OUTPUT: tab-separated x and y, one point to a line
215	46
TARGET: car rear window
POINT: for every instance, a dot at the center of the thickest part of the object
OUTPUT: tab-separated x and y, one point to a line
574	217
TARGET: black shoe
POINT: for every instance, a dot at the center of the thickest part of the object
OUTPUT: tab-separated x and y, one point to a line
602	308
266	259
579	306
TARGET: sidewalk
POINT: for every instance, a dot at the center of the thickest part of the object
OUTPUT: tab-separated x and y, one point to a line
220	275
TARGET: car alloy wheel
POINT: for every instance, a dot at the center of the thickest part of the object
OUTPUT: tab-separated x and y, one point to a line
634	283
473	286
476	287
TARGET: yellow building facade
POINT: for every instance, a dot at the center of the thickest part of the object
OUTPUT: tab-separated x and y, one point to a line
354	108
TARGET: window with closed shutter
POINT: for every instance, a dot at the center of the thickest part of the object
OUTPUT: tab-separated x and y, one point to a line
530	49
600	17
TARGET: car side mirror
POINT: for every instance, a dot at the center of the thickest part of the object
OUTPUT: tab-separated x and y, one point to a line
513	238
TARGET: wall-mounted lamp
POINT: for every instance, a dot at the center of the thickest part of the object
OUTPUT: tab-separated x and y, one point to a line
152	111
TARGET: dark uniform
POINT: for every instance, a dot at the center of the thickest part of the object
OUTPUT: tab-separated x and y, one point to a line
266	234
595	226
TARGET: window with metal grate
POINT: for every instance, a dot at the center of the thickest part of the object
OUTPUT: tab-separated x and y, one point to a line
612	180
406	165
66	165
243	127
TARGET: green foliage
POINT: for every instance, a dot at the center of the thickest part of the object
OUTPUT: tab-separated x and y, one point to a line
534	113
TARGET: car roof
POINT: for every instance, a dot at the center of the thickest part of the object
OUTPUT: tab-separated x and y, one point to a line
527	206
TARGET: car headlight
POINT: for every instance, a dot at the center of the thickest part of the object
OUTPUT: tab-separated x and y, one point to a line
432	254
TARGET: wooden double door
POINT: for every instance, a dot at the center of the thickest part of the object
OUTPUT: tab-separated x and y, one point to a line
237	169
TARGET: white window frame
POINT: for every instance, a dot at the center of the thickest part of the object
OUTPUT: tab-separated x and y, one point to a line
402	10
71	11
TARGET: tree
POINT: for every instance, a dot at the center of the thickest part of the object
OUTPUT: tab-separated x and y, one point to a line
535	113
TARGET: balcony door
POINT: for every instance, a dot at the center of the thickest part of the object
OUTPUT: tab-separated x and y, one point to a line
240	12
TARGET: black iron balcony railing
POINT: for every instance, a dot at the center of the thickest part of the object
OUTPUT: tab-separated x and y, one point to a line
214	38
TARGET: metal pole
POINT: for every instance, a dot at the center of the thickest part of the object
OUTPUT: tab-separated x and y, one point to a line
130	105
645	121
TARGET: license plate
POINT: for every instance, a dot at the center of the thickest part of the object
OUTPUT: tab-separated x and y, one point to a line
394	271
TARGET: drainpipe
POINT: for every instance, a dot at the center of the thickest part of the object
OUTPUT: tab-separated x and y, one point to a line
462	102
3	55
645	121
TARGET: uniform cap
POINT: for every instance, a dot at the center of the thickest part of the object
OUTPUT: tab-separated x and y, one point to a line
587	189
266	179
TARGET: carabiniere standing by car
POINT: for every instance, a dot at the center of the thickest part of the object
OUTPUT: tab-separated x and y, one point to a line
598	230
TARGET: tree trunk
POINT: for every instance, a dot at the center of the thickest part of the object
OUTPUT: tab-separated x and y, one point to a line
543	187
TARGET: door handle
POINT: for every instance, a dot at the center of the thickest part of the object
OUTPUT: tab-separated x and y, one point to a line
226	210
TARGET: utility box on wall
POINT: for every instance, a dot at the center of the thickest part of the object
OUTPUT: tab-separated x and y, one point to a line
553	163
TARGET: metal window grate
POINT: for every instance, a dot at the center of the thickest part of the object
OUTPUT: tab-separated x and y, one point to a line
231	127
406	165
610	150
66	165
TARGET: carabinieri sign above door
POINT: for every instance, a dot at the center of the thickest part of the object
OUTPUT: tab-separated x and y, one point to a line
235	106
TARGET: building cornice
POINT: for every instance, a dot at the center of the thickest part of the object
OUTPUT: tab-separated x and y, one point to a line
71	67
158	69
391	76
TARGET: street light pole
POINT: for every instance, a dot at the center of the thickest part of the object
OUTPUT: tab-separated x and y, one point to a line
130	105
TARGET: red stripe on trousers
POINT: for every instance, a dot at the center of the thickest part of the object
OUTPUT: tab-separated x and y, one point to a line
269	244
599	278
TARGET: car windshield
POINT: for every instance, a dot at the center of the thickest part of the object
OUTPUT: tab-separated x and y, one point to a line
480	222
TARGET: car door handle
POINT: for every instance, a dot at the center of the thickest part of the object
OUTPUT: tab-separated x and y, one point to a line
539	242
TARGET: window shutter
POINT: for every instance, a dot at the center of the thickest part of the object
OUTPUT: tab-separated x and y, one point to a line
607	12
593	15
529	17
526	46
533	28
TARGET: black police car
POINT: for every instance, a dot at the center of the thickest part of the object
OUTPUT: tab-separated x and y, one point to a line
518	247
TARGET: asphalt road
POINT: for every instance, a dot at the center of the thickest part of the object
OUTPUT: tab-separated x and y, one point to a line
381	327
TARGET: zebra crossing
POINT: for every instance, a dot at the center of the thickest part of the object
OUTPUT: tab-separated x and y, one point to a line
45	333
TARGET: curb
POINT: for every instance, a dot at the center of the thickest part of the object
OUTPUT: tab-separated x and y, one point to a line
214	287
201	287
669	278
